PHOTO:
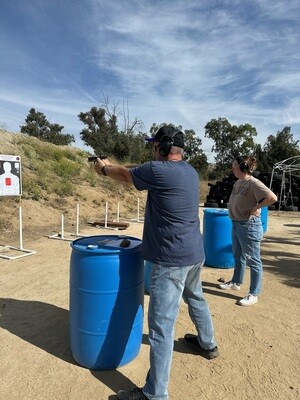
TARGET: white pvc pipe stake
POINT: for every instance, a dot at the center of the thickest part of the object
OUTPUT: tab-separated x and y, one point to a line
20	228
106	212
62	226
77	220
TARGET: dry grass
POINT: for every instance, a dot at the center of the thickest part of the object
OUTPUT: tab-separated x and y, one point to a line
57	178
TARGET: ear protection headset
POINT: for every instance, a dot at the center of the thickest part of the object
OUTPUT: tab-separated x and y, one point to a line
243	165
166	143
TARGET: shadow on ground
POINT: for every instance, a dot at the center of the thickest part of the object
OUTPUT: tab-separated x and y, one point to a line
47	326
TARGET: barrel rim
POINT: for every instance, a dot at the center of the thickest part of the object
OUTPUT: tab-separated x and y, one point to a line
216	211
102	250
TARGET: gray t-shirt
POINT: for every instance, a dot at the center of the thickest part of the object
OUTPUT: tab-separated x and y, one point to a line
171	234
244	196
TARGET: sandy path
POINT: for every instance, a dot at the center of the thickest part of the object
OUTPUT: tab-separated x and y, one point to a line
259	345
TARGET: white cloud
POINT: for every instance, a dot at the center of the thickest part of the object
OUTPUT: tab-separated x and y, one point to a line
176	61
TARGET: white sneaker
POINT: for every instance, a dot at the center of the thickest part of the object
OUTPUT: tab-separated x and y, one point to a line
249	300
229	285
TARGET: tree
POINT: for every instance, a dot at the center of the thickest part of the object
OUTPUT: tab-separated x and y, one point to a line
38	126
230	141
277	148
55	136
100	134
129	126
103	135
193	153
199	162
3	127
192	144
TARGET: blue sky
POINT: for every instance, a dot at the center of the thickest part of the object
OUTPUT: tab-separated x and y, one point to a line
177	61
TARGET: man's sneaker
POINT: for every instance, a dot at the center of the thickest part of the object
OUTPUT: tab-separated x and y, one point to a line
192	342
134	394
249	300
230	285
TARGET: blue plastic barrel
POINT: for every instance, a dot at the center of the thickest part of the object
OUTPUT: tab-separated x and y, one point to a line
217	238
264	218
106	301
148	268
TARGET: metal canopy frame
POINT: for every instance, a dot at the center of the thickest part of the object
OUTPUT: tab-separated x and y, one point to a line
287	166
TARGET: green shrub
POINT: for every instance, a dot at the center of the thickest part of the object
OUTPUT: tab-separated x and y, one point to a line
63	189
65	168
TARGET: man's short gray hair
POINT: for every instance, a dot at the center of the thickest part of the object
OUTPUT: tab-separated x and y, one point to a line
176	150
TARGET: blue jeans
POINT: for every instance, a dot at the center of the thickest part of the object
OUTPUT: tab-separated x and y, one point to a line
246	238
168	285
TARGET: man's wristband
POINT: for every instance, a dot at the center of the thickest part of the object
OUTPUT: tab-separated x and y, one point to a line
103	172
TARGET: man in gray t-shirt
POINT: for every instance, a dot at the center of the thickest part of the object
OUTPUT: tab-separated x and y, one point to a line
172	242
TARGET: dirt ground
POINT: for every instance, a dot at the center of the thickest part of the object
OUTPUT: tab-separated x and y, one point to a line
259	345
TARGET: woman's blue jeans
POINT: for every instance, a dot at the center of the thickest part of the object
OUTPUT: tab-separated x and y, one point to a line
168	285
246	238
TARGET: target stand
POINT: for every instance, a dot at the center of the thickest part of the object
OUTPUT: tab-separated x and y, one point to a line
138	219
61	235
12	252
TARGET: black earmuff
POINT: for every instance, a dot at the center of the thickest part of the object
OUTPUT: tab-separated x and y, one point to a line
166	143
244	167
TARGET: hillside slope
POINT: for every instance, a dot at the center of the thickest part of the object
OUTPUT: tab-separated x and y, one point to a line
54	180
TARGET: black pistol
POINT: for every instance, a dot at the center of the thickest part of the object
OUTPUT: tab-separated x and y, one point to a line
94	158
